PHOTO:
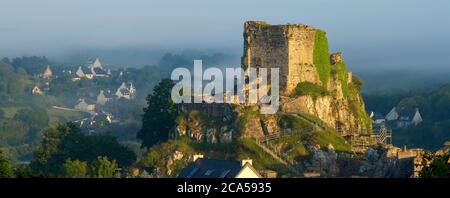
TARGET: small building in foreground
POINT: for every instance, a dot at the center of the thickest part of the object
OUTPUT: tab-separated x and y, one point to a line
213	168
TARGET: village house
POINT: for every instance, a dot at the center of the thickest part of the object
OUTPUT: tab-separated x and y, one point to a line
40	90
126	91
82	105
404	117
93	68
212	168
104	97
48	73
36	90
95	121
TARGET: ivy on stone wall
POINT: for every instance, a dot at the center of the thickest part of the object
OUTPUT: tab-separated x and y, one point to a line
340	70
322	56
357	105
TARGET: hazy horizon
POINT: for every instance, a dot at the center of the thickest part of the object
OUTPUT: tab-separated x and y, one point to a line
381	34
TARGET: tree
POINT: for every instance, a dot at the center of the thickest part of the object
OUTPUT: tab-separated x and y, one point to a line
35	117
159	116
103	168
2	113
438	168
75	169
5	166
68	142
33	65
49	147
12	82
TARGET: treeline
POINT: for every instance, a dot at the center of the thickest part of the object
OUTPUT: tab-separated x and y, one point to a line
66	152
33	65
13	81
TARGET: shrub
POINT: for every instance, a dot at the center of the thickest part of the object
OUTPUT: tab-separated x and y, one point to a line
340	70
309	89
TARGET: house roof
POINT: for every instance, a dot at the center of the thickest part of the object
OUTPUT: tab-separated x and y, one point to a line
99	71
106	93
86	70
377	115
211	168
407	114
48	72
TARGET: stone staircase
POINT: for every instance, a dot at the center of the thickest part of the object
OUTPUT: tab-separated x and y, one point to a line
265	142
266	147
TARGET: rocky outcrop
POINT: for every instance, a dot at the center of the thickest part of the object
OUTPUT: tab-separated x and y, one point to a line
377	164
301	53
170	160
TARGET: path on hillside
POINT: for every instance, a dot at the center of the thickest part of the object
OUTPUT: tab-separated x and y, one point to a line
276	156
265	144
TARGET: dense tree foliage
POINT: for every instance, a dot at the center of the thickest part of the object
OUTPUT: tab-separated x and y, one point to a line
34	117
434	108
12	81
67	142
159	116
75	169
104	168
32	65
438	168
5	166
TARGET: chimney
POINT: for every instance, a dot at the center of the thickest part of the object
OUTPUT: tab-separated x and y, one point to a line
197	156
245	161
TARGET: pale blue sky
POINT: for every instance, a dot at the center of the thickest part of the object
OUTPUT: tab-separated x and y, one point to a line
381	32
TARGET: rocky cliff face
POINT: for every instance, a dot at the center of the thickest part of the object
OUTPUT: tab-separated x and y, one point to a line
301	52
312	82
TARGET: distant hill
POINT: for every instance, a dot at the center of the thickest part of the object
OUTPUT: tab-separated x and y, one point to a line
434	107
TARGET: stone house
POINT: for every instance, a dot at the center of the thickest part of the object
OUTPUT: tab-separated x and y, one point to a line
126	91
103	97
48	73
82	105
404	117
36	90
93	68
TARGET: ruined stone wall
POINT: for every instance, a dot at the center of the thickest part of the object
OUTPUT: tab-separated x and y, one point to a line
301	67
288	47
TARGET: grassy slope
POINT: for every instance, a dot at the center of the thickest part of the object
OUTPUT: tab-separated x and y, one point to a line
60	116
247	148
55	115
303	130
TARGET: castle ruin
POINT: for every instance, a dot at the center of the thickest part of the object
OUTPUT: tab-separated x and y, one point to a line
288	47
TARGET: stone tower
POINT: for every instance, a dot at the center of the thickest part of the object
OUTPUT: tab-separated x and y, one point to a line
288	47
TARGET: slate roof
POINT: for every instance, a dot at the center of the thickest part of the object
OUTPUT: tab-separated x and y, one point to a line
406	114
211	168
377	116
87	70
99	71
